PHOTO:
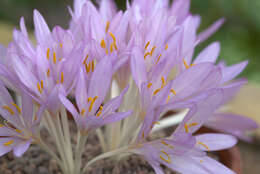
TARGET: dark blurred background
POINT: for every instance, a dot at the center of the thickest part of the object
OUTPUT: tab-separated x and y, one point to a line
239	37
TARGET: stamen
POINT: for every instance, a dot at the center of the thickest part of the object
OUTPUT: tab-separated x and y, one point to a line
166	144
113	36
149	85
18	131
147	54
8	109
107	26
115	46
88	67
8	143
61	45
39	87
163	82
92	100
100	111
48	53
93	66
204	145
173	91
166	47
166	160
54	58
106	51
143	135
48	72
147	45
41	84
103	44
85	60
17	107
168	99
62	77
111	48
82	112
185	64
156	91
159	58
1	125
153	49
187	126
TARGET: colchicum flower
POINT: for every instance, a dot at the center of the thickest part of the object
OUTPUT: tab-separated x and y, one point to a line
118	73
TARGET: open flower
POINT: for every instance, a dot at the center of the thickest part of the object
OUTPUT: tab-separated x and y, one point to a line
17	131
183	152
93	111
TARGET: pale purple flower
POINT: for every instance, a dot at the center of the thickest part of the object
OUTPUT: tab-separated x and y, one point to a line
17	131
183	152
92	110
43	69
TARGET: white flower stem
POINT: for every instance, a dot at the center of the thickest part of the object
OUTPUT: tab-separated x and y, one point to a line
79	152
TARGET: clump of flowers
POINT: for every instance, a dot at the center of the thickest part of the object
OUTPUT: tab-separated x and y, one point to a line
117	73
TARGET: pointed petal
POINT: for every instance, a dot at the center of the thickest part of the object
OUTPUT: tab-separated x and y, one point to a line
231	72
42	30
21	148
209	54
215	142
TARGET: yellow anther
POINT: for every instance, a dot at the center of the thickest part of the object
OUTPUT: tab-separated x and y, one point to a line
54	57
152	51
103	44
18	131
85	60
100	111
156	122
187	126
147	54
48	72
163	81
106	51
17	107
159	58
39	87
156	91
41	84
185	64
8	109
168	160
57	81
93	66
204	145
61	45
48	53
166	144
113	36
147	45
115	46
1	125
143	134
173	91
112	48
192	65
8	143
201	161
166	47
168	99
149	85
107	26
82	112
92	101
61	77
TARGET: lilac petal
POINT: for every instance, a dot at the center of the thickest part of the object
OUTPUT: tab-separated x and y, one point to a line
27	109
233	124
7	132
232	89
231	72
138	67
208	32
100	82
180	9
107	9
111	106
209	54
201	112
212	166
23	27
81	91
21	148
42	30
5	149
189	81
215	142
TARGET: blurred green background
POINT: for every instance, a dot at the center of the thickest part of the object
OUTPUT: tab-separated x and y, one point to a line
239	37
